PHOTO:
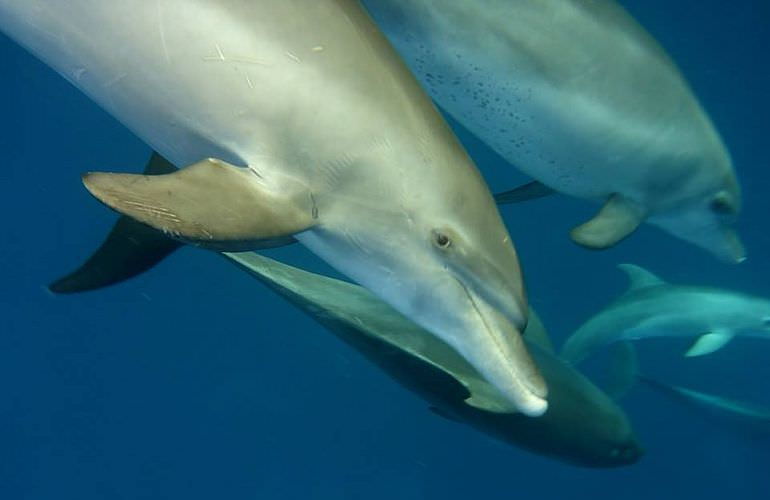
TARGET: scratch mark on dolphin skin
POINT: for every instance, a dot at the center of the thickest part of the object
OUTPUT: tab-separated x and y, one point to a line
219	57
318	48
116	79
249	82
293	57
162	33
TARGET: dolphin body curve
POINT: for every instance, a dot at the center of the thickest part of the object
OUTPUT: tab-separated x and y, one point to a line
318	132
582	425
579	96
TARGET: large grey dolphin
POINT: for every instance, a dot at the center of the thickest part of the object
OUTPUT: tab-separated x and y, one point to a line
582	425
580	97
653	308
340	147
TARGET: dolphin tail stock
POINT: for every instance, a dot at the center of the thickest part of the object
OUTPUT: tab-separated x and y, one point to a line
526	192
130	249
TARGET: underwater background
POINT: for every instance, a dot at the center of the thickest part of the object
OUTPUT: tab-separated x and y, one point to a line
194	381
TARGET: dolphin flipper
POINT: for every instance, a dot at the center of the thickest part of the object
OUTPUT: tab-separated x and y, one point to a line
709	342
526	192
617	219
129	250
210	204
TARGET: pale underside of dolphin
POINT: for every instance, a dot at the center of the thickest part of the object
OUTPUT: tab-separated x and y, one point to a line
654	308
580	97
320	134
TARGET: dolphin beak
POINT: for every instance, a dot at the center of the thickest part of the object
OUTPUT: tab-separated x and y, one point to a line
732	249
501	357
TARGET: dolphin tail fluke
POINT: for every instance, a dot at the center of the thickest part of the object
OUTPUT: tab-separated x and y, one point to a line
526	192
617	219
210	204
623	370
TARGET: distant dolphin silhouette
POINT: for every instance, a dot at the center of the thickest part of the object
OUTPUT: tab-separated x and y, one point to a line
342	149
653	308
741	416
580	97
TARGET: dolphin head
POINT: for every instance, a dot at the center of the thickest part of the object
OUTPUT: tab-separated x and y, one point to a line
704	211
752	315
442	256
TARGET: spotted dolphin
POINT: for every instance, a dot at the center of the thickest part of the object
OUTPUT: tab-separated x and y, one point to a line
298	121
579	96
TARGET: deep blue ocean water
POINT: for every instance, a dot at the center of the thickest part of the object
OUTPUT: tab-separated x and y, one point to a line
193	381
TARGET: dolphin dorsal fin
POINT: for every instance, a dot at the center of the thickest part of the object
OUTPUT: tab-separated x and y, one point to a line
639	277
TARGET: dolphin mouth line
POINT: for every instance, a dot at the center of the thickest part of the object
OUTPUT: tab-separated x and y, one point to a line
500	348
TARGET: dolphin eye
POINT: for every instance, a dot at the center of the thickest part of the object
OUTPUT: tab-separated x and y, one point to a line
441	240
722	205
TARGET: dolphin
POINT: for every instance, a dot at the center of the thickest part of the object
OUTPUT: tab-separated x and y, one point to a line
582	425
654	308
298	121
579	96
742	416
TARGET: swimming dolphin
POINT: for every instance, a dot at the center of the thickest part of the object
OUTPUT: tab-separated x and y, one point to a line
340	147
582	425
653	308
580	97
740	415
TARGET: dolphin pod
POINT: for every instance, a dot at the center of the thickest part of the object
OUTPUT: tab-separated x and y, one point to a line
298	120
579	96
581	426
652	307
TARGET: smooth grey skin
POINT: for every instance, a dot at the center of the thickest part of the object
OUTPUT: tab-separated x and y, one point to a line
744	417
343	151
579	96
582	425
654	308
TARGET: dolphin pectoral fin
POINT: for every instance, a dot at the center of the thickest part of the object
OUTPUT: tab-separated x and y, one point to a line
490	403
210	204
526	192
130	249
708	343
617	219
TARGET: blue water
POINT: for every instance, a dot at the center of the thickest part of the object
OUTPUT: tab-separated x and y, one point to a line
193	381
